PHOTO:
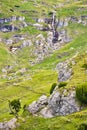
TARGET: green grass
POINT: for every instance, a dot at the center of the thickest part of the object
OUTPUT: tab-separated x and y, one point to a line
79	44
26	90
38	79
5	56
62	123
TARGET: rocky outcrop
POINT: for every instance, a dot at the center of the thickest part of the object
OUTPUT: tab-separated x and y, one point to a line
11	19
63	22
81	19
59	103
18	38
10	27
64	71
26	43
36	106
14	39
63	103
46	46
10	125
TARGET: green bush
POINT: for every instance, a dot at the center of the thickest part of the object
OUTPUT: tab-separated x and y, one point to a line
84	66
81	93
83	126
62	84
15	107
53	87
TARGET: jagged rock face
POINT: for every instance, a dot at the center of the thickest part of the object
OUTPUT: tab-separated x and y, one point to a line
36	106
8	125
63	22
11	19
8	28
58	104
55	37
64	71
63	104
64	36
45	46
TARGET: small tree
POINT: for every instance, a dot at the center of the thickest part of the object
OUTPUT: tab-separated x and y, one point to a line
15	107
53	87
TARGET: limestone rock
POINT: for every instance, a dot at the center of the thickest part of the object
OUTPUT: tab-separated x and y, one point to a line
38	26
46	112
64	71
8	28
8	125
62	104
37	105
26	43
59	103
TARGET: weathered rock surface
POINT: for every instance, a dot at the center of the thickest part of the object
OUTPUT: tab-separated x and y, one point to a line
26	43
63	22
63	104
58	104
46	46
46	112
64	71
36	106
8	28
11	19
8	125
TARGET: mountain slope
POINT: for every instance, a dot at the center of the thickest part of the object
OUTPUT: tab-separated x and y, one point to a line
29	55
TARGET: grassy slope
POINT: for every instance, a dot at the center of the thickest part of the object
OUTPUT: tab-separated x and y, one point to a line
5	56
43	74
58	123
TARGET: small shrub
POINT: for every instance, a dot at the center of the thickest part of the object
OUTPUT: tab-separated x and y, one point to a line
15	107
81	93
62	84
50	13
83	126
53	87
84	66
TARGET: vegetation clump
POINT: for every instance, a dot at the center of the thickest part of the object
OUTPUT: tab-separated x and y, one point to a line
15	107
83	126
53	87
62	84
81	93
84	66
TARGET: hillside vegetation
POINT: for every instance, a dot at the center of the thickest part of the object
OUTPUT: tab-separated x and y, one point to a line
27	73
